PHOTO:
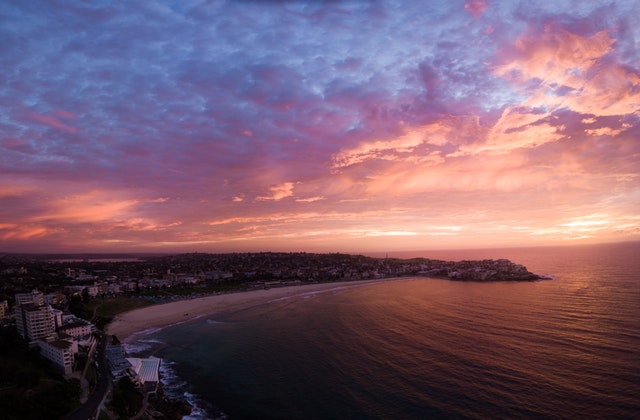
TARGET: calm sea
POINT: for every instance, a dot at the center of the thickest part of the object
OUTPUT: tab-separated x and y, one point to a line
426	348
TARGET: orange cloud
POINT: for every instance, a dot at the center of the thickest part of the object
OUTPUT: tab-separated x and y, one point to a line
392	148
605	131
278	192
92	206
573	73
516	129
24	232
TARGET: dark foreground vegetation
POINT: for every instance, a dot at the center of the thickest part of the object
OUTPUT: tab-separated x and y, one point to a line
29	387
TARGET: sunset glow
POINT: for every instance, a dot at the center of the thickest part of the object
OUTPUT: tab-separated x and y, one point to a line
179	126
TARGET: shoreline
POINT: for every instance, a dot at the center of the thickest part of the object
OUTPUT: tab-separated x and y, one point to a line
127	326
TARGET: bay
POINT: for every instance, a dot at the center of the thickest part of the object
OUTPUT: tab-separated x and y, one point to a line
425	348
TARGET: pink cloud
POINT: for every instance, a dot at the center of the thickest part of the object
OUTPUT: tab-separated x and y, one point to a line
572	71
65	114
476	7
278	192
53	122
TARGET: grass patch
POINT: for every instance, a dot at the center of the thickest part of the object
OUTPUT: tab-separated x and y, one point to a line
112	307
104	310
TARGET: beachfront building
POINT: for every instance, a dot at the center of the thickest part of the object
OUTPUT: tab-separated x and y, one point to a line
77	329
118	364
146	373
59	351
34	322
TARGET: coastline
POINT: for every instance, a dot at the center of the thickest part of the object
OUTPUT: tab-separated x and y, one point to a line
130	325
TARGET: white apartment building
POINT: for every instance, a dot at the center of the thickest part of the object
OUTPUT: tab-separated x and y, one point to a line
60	352
34	322
34	297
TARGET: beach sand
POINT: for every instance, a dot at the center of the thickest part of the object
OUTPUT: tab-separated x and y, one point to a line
128	325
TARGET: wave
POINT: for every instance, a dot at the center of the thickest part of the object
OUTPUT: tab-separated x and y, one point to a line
333	290
177	388
143	345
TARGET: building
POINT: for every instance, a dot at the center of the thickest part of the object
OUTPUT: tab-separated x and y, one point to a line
59	351
54	298
76	329
35	322
34	297
118	364
92	291
57	317
146	372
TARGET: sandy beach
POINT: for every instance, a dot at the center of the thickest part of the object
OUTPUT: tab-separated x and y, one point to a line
128	325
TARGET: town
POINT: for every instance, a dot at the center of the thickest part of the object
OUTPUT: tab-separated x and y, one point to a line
54	308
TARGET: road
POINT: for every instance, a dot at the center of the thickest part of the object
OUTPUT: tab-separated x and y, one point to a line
89	409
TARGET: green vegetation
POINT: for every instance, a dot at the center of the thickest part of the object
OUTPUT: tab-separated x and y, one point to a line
101	311
91	375
29	387
168	292
126	401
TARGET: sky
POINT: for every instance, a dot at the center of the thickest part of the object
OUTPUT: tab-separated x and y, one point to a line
338	126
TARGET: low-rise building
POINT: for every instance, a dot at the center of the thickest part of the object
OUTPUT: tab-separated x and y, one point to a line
118	364
76	329
147	372
59	351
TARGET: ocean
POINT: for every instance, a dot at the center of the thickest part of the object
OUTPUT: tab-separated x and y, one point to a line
419	348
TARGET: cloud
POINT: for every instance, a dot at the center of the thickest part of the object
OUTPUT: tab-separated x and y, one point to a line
54	122
278	192
317	125
569	70
310	199
394	147
476	7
